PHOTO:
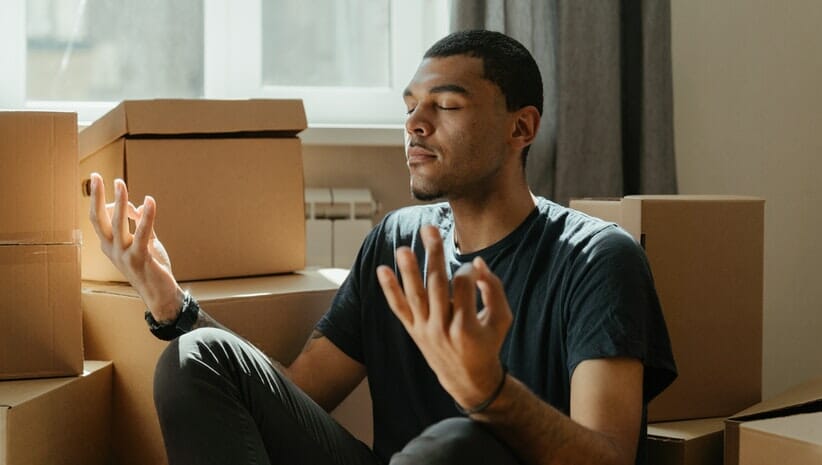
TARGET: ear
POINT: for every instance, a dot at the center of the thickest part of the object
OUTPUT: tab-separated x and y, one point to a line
526	124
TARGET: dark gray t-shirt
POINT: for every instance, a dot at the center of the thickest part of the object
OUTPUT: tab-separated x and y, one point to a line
579	288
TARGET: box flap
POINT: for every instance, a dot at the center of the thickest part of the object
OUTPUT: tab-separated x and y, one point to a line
804	397
187	117
315	280
686	430
17	392
696	198
805	427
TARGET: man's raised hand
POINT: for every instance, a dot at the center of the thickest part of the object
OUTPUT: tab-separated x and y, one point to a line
460	345
139	256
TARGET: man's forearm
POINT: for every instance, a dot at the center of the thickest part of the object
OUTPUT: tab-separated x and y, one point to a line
541	434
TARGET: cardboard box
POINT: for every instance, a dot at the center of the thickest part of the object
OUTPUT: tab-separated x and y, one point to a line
690	442
38	178
275	313
227	176
356	415
58	421
801	399
706	255
40	316
791	439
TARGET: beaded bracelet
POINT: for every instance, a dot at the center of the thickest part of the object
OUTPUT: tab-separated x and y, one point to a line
484	405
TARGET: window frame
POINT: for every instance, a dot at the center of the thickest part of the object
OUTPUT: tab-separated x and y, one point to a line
233	65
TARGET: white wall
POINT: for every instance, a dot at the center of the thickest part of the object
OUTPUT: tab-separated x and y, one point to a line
748	120
382	169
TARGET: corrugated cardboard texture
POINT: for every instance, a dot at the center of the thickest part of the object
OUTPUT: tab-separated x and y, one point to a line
225	207
38	177
164	117
41	329
691	442
275	313
706	255
60	421
792	439
804	398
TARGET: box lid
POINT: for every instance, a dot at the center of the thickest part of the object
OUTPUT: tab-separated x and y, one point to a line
17	392
805	427
189	117
806	397
686	430
695	198
311	280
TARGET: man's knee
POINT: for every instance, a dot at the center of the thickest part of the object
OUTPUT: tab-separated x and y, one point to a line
186	362
454	441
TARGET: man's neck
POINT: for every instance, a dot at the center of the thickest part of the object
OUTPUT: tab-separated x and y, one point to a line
481	222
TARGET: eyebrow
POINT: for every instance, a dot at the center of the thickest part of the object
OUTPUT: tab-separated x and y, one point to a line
445	88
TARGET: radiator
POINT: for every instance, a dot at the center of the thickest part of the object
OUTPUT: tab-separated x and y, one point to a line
337	220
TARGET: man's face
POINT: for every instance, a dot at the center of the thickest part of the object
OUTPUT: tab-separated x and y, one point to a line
456	129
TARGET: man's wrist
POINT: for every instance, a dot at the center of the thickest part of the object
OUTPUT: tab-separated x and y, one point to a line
168	310
482	406
186	320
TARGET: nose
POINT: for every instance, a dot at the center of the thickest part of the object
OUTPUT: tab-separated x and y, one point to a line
418	124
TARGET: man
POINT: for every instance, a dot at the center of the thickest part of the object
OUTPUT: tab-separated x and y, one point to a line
494	328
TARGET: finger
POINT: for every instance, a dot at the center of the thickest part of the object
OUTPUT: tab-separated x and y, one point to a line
119	220
394	295
140	215
415	292
465	296
437	277
97	213
496	313
134	213
145	226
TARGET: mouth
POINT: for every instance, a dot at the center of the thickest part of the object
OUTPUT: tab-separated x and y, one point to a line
417	154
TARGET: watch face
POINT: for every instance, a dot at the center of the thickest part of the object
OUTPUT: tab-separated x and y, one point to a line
188	314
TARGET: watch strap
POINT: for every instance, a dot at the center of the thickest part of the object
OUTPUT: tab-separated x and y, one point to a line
167	331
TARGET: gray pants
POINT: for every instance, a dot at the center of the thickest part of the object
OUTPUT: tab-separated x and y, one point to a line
221	401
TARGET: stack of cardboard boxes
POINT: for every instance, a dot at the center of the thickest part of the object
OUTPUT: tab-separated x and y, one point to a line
706	255
54	408
228	180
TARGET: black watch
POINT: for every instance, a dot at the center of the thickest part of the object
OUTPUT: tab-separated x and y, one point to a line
185	320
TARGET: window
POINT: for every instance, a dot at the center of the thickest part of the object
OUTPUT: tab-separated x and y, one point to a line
347	59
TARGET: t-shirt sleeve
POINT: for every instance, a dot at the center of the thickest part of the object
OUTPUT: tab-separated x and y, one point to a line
342	323
613	309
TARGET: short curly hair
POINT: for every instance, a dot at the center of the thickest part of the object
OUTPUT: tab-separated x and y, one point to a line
506	63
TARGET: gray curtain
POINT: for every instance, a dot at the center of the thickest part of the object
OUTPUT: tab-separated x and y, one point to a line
607	125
